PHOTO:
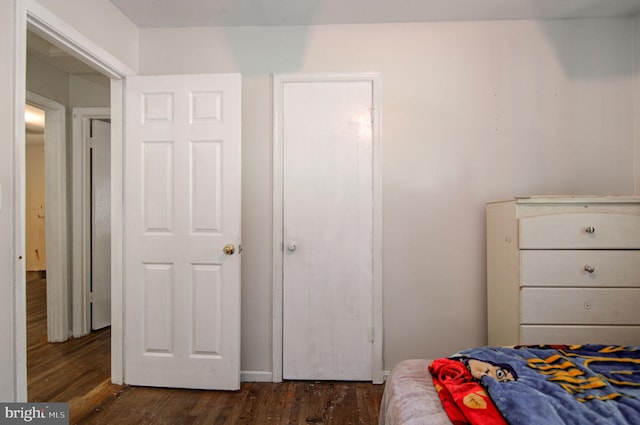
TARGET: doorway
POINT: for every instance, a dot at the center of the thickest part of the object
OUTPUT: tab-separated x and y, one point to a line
54	361
33	17
91	269
35	252
327	227
51	215
47	66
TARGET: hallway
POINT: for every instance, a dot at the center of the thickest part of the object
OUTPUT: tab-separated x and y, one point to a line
62	371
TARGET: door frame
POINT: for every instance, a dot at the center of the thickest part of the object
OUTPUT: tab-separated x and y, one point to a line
81	215
30	15
56	227
279	80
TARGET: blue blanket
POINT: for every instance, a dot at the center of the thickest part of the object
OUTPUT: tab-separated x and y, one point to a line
580	384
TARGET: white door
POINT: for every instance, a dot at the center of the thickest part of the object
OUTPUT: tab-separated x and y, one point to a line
100	148
328	228
182	231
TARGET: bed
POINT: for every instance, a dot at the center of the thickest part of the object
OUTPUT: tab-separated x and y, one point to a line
543	384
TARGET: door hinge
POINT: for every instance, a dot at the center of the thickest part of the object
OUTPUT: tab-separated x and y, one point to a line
90	297
373	114
371	334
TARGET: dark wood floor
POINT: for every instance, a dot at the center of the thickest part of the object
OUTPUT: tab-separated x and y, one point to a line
78	372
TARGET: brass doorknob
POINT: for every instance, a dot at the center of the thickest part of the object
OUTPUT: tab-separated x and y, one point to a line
229	249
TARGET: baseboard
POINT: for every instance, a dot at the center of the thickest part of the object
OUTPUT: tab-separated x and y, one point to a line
255	376
260	376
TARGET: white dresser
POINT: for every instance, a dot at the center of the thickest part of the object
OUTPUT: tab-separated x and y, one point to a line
563	270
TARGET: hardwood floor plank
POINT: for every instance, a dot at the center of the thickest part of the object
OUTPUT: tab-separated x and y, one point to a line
78	372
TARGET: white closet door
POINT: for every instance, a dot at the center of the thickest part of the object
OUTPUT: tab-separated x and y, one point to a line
328	230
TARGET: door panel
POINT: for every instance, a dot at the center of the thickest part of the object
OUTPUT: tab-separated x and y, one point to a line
182	202
100	224
328	230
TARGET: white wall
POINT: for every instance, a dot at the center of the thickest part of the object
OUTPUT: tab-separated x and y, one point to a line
89	90
636	98
7	255
47	81
472	111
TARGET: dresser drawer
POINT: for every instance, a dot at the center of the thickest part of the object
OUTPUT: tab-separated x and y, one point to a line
580	268
580	231
547	334
574	306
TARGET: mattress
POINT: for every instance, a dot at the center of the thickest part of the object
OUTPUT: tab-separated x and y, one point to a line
410	398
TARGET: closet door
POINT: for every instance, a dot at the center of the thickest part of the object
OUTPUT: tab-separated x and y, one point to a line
328	230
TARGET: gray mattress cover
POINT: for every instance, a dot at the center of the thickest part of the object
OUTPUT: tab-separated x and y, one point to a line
410	398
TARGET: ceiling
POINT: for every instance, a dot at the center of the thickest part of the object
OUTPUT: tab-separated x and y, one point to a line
197	13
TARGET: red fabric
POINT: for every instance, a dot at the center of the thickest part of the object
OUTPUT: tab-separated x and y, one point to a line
464	399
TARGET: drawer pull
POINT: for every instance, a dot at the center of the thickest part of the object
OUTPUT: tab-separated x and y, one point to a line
590	229
589	269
